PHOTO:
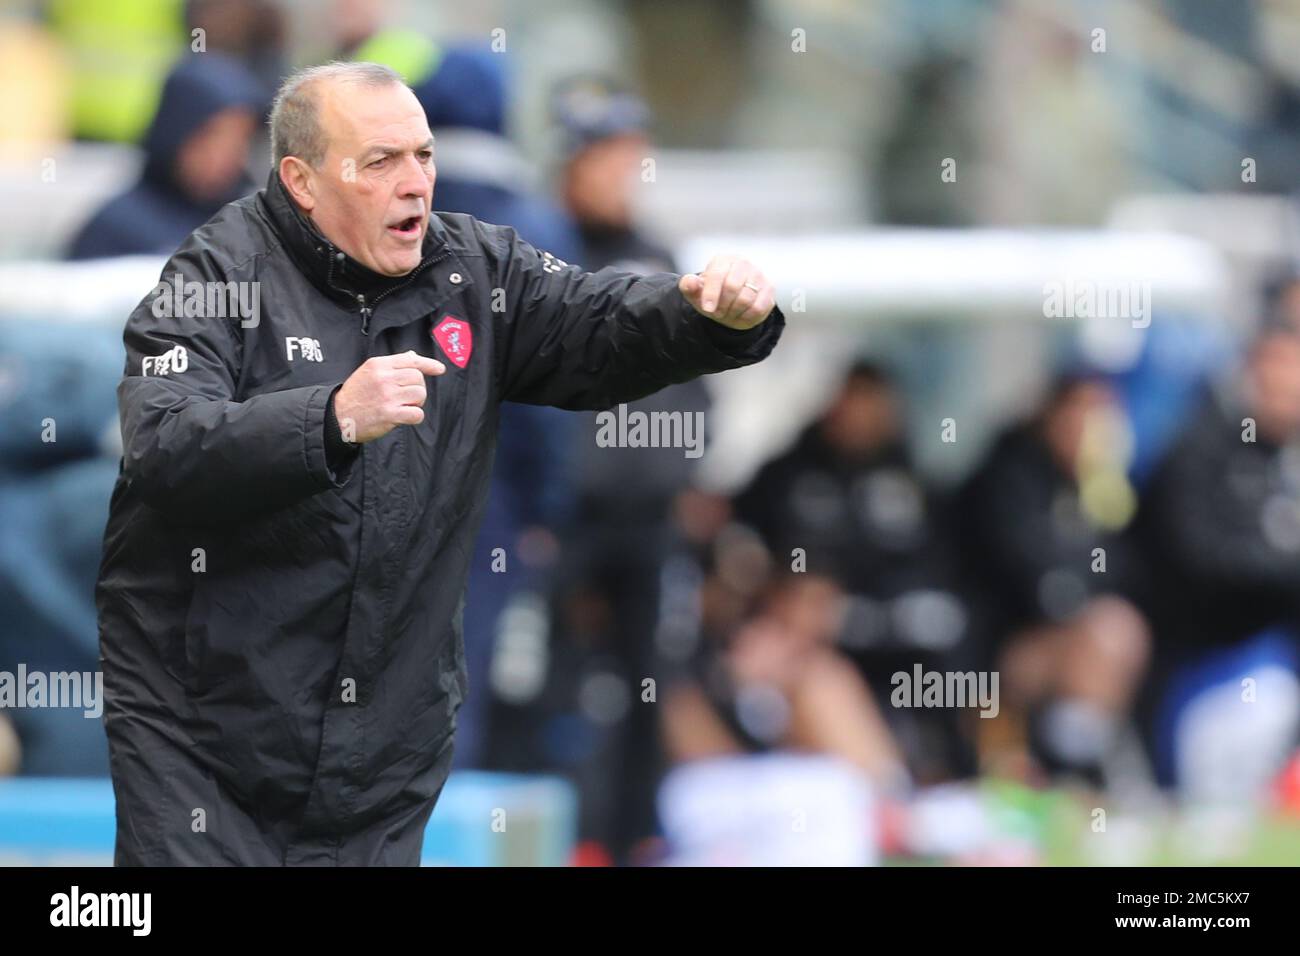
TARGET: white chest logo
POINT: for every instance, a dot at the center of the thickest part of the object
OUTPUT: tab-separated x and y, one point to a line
308	349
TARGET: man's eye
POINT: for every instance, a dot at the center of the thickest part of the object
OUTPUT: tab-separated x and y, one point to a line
425	155
377	163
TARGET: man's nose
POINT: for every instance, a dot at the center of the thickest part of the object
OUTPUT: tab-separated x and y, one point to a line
415	179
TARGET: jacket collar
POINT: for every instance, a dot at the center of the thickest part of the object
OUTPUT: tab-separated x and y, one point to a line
330	269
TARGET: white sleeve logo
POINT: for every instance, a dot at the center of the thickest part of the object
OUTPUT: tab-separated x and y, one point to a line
551	264
175	359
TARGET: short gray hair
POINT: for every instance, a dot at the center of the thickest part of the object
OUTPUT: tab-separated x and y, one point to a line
295	114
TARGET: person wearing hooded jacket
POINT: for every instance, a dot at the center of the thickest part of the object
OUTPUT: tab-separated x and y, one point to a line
483	174
283	581
196	151
610	591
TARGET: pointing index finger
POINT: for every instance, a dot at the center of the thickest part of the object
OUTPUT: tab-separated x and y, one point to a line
429	366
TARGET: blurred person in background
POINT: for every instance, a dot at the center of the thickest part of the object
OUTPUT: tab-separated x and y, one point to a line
352	23
848	496
1220	507
604	132
1044	518
50	544
609	589
1220	522
54	493
1037	81
766	674
251	31
196	156
367	30
118	56
482	173
760	712
628	491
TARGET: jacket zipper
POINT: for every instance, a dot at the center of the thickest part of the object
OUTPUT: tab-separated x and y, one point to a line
367	311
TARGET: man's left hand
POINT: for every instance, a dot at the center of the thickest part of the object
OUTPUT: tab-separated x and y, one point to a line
731	291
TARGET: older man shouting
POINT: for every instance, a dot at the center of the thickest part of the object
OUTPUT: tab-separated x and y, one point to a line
308	415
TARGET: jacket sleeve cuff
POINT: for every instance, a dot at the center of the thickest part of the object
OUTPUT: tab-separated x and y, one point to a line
329	467
747	345
338	450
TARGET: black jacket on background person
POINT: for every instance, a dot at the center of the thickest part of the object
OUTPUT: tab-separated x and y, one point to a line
281	633
869	524
1220	526
1030	543
630	490
157	213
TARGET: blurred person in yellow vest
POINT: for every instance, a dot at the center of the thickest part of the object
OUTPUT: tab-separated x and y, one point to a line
118	55
31	63
359	32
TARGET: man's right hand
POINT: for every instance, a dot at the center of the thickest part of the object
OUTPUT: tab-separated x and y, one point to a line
385	392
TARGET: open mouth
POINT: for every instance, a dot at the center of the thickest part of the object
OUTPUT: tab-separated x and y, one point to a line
408	228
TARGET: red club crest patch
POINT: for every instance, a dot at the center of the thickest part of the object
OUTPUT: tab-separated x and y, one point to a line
456	339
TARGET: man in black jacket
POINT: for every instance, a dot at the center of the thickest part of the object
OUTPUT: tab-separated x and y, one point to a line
308	417
1220	518
1051	559
849	496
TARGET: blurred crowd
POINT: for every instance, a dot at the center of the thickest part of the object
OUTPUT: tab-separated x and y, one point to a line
1130	596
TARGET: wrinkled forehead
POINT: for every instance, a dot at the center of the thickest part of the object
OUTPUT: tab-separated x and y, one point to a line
356	117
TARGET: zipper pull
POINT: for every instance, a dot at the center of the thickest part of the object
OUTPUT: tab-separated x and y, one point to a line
365	315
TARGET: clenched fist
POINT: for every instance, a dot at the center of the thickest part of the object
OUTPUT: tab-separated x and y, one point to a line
731	291
386	391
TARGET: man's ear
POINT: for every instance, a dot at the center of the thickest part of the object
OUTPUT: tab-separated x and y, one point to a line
297	178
